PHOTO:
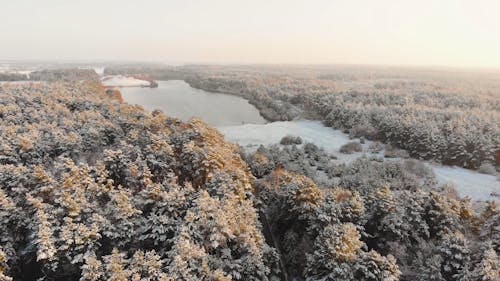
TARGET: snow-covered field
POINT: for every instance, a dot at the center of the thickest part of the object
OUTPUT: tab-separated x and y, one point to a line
122	81
253	135
468	183
271	133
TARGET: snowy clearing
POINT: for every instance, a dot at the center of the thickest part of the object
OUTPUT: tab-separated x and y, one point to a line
271	133
468	183
251	136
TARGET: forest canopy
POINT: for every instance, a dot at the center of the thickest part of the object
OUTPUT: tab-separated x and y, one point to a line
96	189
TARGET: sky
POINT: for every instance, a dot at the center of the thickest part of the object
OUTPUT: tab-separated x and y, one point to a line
457	33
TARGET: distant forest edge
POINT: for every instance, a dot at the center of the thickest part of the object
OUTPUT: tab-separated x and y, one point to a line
52	75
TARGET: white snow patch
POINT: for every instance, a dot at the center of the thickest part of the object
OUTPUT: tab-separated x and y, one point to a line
251	136
468	183
271	133
122	81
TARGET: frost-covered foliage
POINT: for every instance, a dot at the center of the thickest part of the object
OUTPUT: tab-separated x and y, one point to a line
351	147
369	220
94	189
289	140
451	117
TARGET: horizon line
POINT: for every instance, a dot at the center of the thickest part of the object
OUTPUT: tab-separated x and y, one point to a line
214	63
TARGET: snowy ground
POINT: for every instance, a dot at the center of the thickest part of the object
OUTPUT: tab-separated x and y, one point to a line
468	183
122	81
251	136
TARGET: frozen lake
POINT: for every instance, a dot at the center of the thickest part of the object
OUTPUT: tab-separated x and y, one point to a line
177	99
241	123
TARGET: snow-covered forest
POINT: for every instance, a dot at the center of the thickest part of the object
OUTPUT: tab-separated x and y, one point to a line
92	188
378	216
253	140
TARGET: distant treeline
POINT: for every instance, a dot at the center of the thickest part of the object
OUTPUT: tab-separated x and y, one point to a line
13	77
157	73
52	75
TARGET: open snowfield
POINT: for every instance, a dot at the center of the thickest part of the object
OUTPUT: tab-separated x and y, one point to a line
249	135
122	81
467	182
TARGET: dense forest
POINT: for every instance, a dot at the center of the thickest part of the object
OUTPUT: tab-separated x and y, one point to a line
92	188
378	221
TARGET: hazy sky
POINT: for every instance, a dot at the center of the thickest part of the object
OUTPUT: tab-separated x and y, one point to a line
397	32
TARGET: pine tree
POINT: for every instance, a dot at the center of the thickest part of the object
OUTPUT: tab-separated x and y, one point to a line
488	268
456	255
